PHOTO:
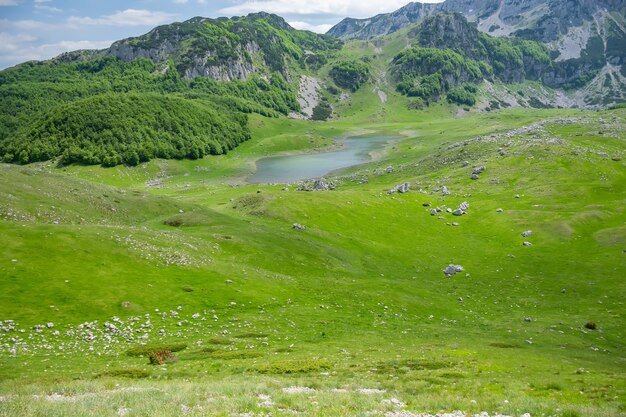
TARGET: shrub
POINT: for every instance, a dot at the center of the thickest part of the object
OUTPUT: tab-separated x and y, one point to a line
463	95
350	74
591	325
417	104
144	350
322	111
161	356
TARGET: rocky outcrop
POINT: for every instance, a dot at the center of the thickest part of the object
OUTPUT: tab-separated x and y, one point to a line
586	39
127	51
382	24
534	19
237	68
225	49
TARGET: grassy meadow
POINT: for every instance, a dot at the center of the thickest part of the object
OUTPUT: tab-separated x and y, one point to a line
352	316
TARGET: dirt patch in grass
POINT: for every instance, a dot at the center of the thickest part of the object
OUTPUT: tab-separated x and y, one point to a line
559	229
504	345
187	219
133	373
251	335
615	236
293	366
219	341
252	204
590	216
235	354
405	365
145	350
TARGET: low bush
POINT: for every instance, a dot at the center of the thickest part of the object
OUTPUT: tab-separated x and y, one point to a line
144	350
161	357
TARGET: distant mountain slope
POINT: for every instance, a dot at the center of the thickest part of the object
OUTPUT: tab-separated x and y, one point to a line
226	49
540	20
587	38
179	91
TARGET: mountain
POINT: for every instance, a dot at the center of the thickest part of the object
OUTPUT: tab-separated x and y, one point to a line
184	90
540	20
586	38
226	49
180	91
449	51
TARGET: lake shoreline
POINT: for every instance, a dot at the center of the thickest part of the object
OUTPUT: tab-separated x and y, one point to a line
348	151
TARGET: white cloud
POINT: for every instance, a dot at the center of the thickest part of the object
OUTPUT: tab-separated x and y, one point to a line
21	48
181	1
8	2
10	43
352	8
26	25
43	7
128	17
313	28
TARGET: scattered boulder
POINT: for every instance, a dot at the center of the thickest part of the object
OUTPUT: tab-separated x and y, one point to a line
527	233
528	319
298	226
445	191
527	244
474	176
499	210
389	170
516	195
400	188
433	212
453	269
461	209
478	170
465	163
426	204
319	185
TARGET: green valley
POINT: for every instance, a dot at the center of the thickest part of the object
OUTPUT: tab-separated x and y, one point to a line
474	265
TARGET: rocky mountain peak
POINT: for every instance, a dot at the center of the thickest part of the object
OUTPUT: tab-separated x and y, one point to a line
446	30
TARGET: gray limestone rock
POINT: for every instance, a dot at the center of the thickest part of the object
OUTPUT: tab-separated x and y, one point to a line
453	269
478	170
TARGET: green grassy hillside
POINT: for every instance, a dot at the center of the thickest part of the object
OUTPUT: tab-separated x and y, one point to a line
169	284
185	252
127	128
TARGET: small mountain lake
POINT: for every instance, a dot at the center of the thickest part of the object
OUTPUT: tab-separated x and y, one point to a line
291	168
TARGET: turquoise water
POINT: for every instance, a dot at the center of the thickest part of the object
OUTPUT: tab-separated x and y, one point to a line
291	168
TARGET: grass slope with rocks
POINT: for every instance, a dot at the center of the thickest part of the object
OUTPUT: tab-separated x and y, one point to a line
184	264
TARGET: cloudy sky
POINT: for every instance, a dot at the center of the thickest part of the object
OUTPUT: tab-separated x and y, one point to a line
42	29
